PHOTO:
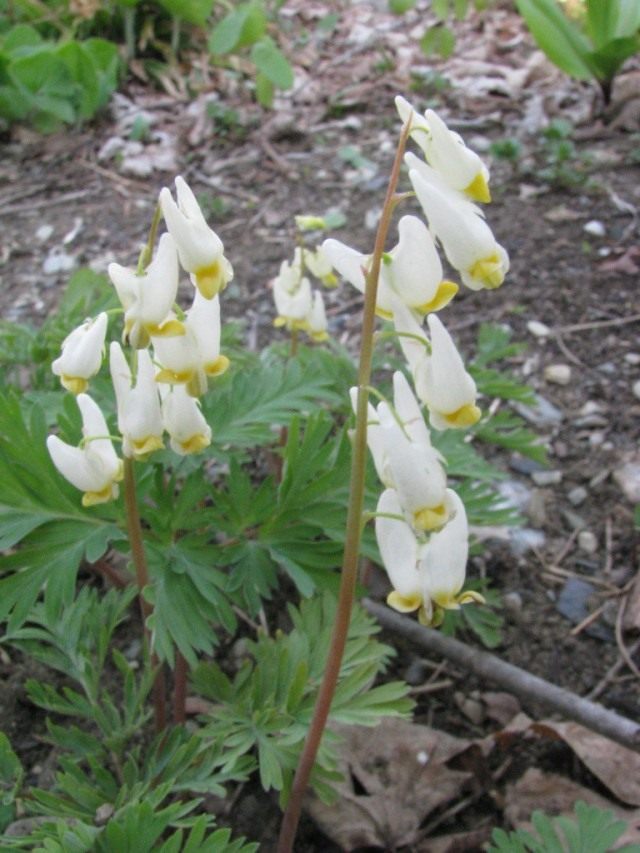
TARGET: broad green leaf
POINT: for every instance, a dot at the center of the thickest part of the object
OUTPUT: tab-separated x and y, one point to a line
19	37
270	61
558	37
438	40
265	90
84	73
243	26
610	57
399	7
609	20
194	12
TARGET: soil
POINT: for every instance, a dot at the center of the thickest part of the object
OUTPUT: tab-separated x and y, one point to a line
575	255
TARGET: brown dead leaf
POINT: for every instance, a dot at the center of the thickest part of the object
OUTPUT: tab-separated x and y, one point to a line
394	776
501	707
556	795
616	766
625	263
458	842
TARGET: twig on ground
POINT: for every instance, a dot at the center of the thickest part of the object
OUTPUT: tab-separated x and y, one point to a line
611	673
624	651
608	547
588	620
431	687
596	324
525	685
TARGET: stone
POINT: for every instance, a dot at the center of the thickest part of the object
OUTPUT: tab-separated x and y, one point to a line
537	508
523	539
575	521
635	389
44	232
587	542
524	465
632	358
515	494
538	329
416	673
58	261
558	374
547	478
627	476
541	414
577	495
595	228
512	601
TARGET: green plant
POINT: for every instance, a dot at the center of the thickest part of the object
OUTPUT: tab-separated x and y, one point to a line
594	45
563	164
593	830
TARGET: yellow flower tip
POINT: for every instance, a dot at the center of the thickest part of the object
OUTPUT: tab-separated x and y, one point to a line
330	280
464	417
173	377
75	384
217	367
195	443
430	518
431	616
101	497
144	447
489	271
318	337
404	603
382	313
210	280
279	322
444	294
478	189
471	597
196	385
170	329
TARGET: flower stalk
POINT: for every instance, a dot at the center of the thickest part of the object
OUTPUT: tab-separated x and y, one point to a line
354	520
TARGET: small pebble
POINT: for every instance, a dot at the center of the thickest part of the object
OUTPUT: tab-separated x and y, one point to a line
558	374
632	358
546	478
539	330
577	496
416	673
575	521
512	601
595	228
596	439
44	232
635	388
587	542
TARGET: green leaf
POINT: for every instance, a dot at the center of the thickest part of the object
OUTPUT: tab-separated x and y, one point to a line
399	7
11	772
265	90
45	81
438	40
83	72
270	61
194	12
242	27
558	37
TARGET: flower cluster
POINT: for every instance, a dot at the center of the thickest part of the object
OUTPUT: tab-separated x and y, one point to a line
173	354
421	523
299	308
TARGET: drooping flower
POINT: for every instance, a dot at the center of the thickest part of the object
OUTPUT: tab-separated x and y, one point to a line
399	550
411	271
445	151
292	297
188	430
443	566
317	319
319	266
147	299
447	388
466	238
94	467
139	415
200	249
195	356
81	355
417	474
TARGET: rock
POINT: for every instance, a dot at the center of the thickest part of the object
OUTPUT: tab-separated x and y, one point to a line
539	330
627	476
515	494
547	478
558	374
537	509
576	600
44	232
512	602
58	261
596	439
635	389
595	228
523	539
577	495
416	673
575	521
632	358
541	414
524	465
587	542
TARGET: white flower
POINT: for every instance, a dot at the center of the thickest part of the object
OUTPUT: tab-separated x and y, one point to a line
416	472
411	271
408	411
147	299
292	297
447	388
188	430
317	319
94	467
195	356
81	355
443	566
139	416
399	551
319	266
459	167
199	247
465	237
375	440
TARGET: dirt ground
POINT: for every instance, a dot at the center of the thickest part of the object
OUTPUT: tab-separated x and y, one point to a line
571	296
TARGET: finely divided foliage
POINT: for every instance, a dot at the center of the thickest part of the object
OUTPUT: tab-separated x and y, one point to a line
209	482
